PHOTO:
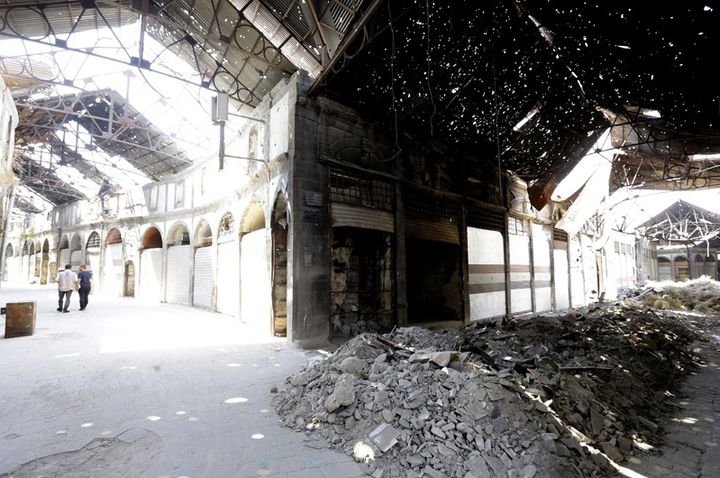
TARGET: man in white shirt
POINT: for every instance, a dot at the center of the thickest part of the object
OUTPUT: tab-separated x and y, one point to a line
67	280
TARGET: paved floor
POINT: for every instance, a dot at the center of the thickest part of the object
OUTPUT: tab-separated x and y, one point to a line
133	390
692	440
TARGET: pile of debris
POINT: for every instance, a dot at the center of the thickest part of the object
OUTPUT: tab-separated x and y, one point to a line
699	295
554	395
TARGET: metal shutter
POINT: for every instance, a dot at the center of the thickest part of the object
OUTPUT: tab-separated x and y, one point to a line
541	267
228	278
255	281
150	275
179	270
204	278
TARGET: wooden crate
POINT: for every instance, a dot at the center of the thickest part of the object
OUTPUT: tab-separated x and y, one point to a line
19	319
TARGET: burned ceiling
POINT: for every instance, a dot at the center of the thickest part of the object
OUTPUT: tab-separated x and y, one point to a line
527	84
528	80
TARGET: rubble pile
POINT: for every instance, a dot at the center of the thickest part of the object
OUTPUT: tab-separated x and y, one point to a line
700	295
532	397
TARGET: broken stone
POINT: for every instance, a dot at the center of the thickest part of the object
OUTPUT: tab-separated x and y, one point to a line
343	394
384	436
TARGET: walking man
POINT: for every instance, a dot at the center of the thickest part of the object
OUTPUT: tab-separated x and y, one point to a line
66	280
85	278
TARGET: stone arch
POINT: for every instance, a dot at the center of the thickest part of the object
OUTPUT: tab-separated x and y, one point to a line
46	267
32	248
75	243
113	237
203	234
64	242
178	235
682	270
152	239
253	218
226	226
93	241
279	231
9	251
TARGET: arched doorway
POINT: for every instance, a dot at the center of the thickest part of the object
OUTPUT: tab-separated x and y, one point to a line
228	276
76	252
254	277
664	268
63	252
8	262
203	270
710	267
279	231
113	267
36	263
31	263
179	266
682	271
92	253
129	279
45	265
25	261
151	255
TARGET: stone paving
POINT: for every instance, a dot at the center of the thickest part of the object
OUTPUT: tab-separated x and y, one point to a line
692	437
131	389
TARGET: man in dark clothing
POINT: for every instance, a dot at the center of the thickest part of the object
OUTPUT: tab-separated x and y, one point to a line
85	279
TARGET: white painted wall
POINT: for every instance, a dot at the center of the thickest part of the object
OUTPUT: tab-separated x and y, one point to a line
486	273
228	279
255	281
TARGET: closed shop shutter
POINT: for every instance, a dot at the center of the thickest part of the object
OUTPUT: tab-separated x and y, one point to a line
562	269
228	278
76	258
254	282
204	278
150	275
179	270
344	215
521	292
113	270
486	273
433	231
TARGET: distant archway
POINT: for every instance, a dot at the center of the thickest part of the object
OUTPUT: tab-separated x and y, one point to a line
682	271
279	230
114	264
76	252
152	239
151	261
204	269
178	265
664	268
45	263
